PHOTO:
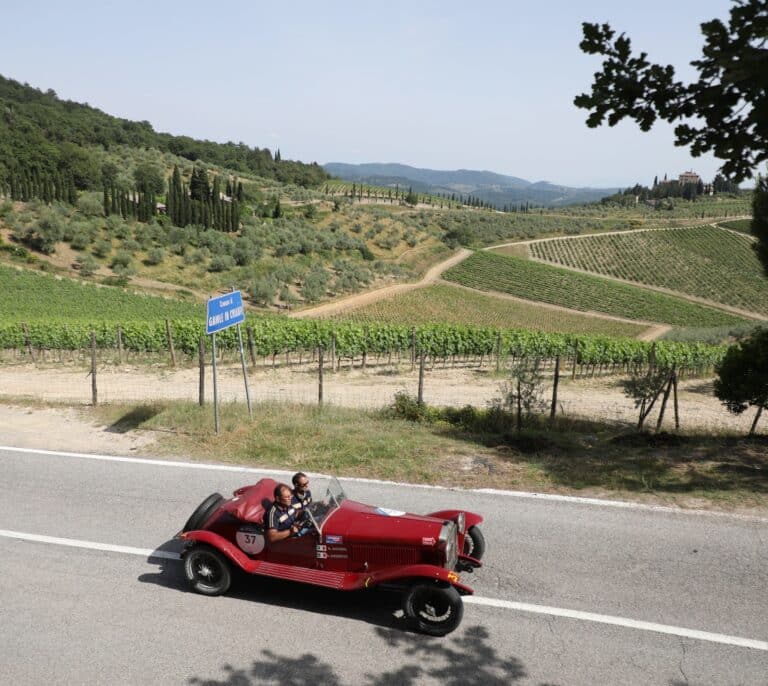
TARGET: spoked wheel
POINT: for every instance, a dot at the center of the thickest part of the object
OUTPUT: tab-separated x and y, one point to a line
433	610
474	543
203	511
207	570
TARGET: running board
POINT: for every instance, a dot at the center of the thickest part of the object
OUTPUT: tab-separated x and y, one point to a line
316	577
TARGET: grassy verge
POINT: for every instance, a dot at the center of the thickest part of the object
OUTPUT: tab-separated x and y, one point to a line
467	448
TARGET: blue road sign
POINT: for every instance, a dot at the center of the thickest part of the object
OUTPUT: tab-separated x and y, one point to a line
224	311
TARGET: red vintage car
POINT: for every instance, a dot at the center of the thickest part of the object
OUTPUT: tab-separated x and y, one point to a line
347	546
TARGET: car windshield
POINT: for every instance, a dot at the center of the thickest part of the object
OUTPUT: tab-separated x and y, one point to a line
332	498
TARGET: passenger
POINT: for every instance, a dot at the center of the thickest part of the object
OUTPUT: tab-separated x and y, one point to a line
302	496
281	519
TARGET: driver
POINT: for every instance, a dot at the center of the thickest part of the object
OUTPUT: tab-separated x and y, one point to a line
281	520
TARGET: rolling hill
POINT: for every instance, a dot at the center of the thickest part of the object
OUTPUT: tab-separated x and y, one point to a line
497	189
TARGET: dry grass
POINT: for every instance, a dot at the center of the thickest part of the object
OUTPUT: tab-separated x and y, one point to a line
469	450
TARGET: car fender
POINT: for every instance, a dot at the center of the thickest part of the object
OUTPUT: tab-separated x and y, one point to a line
470	518
411	572
221	544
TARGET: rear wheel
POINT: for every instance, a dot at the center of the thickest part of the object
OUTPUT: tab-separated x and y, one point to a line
432	609
474	543
203	511
207	570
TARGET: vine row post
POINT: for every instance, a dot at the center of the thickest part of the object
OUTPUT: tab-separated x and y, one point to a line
169	336
319	374
553	408
28	341
94	390
120	345
420	396
251	346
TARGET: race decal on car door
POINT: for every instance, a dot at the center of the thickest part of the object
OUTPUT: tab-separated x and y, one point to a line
250	540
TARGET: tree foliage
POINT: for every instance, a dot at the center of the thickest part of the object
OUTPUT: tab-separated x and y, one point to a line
742	375
725	111
730	96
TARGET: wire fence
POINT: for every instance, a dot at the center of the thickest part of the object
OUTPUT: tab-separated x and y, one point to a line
97	377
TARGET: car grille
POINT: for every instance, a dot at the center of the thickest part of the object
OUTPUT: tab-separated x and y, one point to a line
383	555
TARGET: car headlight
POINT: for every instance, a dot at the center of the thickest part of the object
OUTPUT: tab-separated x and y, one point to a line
461	522
448	536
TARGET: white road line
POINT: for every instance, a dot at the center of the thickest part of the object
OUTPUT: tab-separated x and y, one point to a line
89	545
552	497
620	621
473	600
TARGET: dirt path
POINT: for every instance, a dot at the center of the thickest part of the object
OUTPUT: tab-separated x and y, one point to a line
360	299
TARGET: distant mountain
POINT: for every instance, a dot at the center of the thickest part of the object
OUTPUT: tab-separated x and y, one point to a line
497	189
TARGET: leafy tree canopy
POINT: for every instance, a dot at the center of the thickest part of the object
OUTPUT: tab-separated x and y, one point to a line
743	375
730	96
724	112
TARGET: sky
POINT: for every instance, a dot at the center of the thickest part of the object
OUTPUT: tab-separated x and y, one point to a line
487	85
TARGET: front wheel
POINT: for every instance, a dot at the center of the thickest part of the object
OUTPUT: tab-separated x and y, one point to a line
474	543
207	570
433	610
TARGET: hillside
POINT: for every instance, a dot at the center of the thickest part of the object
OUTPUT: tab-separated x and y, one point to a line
39	131
535	281
497	189
702	261
106	200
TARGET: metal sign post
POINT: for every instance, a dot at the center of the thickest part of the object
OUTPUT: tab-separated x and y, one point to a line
224	311
215	387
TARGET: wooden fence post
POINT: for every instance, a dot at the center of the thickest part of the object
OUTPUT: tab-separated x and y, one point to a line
320	375
94	391
251	346
575	358
553	409
28	341
169	336
420	396
120	344
201	358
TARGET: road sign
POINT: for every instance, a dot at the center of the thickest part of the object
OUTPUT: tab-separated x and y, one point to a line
224	311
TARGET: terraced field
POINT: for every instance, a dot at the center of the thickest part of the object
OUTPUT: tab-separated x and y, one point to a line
541	282
704	261
453	305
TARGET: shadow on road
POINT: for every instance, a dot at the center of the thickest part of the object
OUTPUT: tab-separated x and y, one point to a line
378	607
465	658
133	419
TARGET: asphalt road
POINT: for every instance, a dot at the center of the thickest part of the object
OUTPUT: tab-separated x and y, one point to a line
570	593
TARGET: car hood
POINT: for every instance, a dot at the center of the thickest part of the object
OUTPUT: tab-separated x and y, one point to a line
359	523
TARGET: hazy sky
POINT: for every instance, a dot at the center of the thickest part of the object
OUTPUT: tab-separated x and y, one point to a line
444	85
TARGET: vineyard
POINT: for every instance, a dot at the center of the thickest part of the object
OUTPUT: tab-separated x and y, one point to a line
273	336
541	282
740	225
27	295
703	261
452	305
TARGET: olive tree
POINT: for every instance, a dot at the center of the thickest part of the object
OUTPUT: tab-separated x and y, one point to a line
742	376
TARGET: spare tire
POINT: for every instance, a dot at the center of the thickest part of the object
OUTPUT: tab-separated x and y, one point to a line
203	511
